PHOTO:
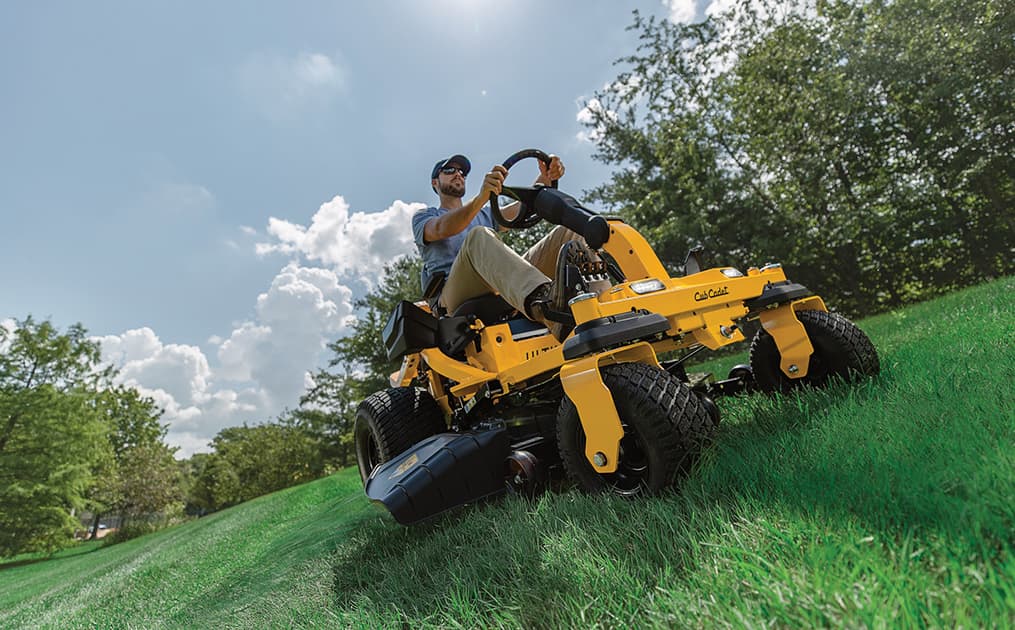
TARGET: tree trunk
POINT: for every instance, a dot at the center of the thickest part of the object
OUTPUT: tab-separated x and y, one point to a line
95	526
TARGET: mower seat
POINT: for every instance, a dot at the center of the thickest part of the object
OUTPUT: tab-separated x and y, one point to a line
491	308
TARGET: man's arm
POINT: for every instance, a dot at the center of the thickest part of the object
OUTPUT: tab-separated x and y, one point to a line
454	221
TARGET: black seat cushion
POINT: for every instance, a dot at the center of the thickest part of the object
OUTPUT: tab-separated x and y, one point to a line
490	308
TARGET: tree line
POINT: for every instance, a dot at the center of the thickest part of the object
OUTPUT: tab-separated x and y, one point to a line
71	440
74	443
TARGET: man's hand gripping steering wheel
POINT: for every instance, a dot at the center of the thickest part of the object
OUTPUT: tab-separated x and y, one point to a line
550	170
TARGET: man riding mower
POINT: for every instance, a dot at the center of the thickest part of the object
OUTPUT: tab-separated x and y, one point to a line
487	400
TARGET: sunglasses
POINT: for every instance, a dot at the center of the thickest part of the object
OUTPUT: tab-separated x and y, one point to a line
451	170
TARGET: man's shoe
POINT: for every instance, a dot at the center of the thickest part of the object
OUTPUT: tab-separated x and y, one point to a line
550	302
540	308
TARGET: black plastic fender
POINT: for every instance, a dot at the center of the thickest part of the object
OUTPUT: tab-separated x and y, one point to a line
441	472
605	332
777	293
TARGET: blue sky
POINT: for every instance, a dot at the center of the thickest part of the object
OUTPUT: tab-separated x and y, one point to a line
208	186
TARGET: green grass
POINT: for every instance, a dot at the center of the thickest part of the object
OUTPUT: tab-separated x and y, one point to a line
888	504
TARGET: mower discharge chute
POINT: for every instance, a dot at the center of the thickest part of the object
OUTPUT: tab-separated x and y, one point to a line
487	401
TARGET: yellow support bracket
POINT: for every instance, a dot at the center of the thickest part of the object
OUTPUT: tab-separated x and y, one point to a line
583	384
790	337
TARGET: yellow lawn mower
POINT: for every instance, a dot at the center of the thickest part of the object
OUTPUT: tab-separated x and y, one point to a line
488	401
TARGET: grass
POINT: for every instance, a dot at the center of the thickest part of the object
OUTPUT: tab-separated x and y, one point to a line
887	504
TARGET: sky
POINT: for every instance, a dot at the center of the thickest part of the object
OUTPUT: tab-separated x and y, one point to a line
208	187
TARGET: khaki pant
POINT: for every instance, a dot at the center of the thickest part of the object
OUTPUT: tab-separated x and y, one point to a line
486	265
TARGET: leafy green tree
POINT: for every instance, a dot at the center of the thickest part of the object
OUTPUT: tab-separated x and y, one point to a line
866	145
198	499
149	488
142	478
249	461
51	437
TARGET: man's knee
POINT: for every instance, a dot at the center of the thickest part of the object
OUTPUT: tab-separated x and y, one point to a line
479	235
480	232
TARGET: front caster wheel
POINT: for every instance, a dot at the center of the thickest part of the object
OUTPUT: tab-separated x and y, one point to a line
665	424
840	350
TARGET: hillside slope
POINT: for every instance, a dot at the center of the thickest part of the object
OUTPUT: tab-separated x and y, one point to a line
890	503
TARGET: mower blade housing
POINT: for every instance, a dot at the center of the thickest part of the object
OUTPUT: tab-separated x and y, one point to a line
439	473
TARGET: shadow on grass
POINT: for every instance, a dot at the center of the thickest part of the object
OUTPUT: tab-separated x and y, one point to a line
830	456
59	555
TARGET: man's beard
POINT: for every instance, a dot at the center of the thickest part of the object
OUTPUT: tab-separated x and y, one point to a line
452	189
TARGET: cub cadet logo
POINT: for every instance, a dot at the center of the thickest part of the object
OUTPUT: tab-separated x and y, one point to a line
404	466
711	293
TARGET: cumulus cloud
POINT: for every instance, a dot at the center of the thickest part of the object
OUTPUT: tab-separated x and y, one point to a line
353	244
681	11
303	309
266	362
587	117
285	87
175	376
181	371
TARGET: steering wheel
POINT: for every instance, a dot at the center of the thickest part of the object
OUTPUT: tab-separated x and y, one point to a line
527	216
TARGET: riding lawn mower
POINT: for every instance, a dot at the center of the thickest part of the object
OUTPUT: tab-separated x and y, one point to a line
488	401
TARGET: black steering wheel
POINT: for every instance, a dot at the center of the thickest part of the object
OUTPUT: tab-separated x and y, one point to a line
527	216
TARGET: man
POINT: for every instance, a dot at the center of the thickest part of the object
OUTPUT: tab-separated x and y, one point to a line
460	240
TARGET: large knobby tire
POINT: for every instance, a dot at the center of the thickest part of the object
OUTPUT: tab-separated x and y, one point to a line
840	350
389	422
666	426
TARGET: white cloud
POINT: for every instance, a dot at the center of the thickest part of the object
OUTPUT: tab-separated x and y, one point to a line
587	116
9	325
681	11
302	310
717	7
176	375
249	231
237	353
284	88
353	244
266	362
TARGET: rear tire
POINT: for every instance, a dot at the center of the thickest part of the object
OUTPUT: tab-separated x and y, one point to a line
666	426
390	422
840	350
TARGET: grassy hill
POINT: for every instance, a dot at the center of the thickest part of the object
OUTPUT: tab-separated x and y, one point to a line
887	504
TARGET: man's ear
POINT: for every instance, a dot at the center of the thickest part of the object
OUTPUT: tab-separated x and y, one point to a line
433	184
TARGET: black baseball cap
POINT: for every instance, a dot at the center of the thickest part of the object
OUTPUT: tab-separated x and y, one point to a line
460	160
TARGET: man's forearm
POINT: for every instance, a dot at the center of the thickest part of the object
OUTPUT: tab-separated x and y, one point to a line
457	220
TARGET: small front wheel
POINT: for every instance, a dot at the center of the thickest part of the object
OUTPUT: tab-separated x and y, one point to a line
665	424
840	350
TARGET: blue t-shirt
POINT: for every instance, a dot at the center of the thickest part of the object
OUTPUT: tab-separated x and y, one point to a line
439	255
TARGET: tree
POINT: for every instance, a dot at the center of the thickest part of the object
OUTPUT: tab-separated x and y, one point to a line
249	461
140	472
866	145
51	437
143	479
